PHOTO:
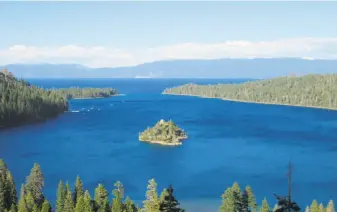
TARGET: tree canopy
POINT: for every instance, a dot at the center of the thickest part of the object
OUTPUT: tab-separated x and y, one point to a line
77	92
21	102
308	91
32	198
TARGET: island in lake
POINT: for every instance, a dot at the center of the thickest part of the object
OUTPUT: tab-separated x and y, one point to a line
317	91
164	133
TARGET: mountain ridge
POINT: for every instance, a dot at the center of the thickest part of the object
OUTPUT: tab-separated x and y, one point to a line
257	68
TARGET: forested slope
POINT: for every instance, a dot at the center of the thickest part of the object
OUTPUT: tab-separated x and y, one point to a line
309	91
21	102
76	92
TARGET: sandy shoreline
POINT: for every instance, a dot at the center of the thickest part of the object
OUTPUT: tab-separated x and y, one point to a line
244	101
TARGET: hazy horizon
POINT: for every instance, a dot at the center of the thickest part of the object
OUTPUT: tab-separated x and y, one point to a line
124	34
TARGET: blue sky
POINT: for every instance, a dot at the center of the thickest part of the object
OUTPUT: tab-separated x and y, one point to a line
41	31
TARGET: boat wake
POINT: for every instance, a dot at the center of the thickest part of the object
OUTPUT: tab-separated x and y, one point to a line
73	111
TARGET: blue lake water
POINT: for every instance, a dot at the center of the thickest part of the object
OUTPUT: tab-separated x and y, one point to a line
228	141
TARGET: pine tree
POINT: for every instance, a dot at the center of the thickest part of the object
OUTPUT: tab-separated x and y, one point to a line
30	201
13	208
7	188
265	206
80	207
105	207
78	191
67	189
129	205
151	204
35	209
22	207
35	184
330	207
237	197
11	190
101	198
314	206
163	194
68	202
46	207
170	204
2	193
321	208
251	199
245	202
117	201
60	197
228	203
307	209
88	207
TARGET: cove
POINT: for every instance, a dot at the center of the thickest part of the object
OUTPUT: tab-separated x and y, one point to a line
228	141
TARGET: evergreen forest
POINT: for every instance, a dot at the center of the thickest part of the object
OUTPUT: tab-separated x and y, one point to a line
308	91
78	199
21	102
76	92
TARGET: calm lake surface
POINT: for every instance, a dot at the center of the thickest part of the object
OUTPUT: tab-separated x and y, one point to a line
228	141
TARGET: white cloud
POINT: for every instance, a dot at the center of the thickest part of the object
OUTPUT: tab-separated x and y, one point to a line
101	56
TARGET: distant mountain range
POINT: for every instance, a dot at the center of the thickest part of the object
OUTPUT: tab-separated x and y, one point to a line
220	68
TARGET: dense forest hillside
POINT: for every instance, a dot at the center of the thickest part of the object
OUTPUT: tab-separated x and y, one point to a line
308	91
78	199
76	92
21	102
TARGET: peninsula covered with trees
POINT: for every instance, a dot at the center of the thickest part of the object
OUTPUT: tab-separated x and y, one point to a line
165	133
78	199
82	93
21	102
317	91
